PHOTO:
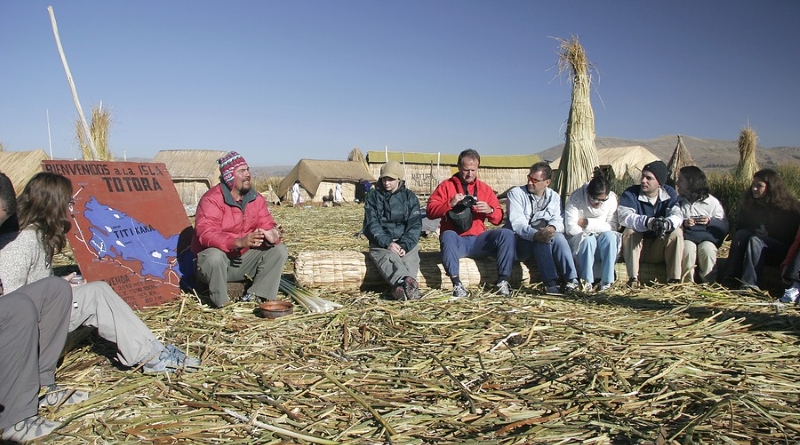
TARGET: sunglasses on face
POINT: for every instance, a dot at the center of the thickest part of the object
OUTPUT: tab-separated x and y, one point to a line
535	181
597	200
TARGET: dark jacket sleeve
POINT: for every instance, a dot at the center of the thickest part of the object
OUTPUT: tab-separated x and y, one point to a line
413	226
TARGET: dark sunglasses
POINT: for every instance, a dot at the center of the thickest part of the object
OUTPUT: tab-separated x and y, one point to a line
535	181
597	200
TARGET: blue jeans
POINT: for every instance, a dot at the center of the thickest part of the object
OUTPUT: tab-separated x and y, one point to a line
549	256
600	250
498	242
749	253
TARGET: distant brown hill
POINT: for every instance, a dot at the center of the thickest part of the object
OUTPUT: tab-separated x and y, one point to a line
708	154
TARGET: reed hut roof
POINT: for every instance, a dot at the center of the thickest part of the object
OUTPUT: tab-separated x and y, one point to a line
629	159
188	165
487	161
680	158
311	172
20	166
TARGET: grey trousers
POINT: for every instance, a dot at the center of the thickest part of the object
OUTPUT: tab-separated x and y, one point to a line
264	267
393	266
636	248
98	306
33	328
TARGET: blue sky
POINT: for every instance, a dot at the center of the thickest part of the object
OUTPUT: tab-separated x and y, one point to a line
283	80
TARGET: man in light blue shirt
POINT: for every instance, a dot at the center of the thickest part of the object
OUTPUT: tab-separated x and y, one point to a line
535	216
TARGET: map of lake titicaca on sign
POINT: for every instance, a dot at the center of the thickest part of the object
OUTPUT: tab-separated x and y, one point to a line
127	219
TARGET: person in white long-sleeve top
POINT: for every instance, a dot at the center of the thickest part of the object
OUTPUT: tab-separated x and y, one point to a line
704	225
590	220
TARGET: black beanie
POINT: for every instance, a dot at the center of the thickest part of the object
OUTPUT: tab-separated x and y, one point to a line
659	170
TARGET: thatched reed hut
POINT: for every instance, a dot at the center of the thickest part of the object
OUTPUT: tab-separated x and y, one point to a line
318	179
193	172
20	166
424	171
622	161
680	158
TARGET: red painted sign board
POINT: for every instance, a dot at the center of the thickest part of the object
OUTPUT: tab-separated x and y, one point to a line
126	222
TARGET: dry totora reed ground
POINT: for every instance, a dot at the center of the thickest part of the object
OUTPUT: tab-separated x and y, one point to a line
660	365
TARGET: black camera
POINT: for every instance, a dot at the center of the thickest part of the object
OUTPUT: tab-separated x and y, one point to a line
468	201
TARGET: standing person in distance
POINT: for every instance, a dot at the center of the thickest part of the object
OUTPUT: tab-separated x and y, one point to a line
652	219
704	225
535	217
235	236
337	193
591	228
392	224
297	198
768	219
464	202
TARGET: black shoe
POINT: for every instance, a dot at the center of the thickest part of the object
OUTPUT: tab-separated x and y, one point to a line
633	283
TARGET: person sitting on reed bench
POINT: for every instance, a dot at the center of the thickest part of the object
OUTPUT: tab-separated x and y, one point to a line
463	202
591	228
652	219
768	219
704	225
535	217
235	236
31	339
44	217
392	224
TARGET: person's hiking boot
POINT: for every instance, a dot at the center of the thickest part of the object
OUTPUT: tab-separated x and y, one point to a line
171	359
790	295
459	291
32	428
56	395
411	288
502	288
399	292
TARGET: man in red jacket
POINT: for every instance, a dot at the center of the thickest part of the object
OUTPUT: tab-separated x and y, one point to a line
463	203
235	236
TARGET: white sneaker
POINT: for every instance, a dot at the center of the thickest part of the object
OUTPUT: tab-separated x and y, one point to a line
459	291
503	288
604	287
790	296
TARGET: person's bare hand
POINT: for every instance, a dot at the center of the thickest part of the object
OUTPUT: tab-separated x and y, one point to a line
456	199
252	239
583	222
396	248
482	207
273	235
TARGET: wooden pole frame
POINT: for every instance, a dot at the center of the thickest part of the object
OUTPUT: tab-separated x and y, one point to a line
85	126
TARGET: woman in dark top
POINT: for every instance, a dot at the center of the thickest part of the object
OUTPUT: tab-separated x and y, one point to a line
768	219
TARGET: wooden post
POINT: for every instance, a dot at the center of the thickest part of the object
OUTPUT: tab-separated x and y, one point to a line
72	84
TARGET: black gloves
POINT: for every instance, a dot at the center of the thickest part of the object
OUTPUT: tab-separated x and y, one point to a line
660	226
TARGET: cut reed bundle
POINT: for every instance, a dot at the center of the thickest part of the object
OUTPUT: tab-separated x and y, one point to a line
579	157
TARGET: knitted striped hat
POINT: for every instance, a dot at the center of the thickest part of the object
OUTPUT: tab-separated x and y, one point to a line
228	164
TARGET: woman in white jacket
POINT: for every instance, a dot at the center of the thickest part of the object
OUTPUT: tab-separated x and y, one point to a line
704	225
590	221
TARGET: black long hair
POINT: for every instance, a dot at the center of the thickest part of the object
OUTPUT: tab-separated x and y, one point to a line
696	183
